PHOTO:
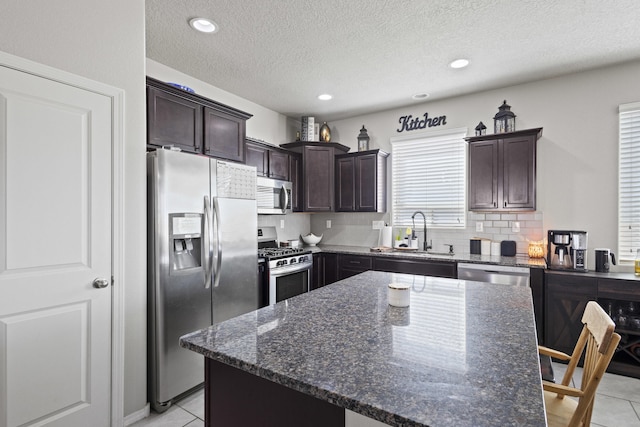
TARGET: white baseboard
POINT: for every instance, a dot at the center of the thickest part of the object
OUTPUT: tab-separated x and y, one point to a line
137	416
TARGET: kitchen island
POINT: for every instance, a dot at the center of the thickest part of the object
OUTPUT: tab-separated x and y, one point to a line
462	354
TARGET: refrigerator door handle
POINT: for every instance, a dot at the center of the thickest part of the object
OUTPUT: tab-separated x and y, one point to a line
284	195
216	217
208	233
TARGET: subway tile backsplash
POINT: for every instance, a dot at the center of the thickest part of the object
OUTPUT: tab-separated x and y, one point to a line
356	229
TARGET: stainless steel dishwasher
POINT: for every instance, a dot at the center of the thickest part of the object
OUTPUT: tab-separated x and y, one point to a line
492	273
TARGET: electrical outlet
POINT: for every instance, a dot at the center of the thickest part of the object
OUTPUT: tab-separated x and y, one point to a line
515	227
328	223
377	225
282	223
479	227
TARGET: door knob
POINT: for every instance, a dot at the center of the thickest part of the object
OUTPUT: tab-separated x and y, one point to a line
100	283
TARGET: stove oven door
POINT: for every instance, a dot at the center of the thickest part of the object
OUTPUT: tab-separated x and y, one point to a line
289	281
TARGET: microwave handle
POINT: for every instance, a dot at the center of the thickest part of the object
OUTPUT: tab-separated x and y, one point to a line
284	197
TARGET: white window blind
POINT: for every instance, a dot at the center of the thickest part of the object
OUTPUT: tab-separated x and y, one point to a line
629	181
429	175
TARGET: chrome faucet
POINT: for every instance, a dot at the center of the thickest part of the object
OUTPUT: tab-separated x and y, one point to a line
426	245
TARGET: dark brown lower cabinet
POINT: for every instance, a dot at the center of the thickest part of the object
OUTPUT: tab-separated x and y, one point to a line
566	295
325	269
237	398
350	265
621	300
423	267
566	298
536	281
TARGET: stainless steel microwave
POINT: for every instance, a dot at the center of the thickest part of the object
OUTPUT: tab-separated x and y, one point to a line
273	196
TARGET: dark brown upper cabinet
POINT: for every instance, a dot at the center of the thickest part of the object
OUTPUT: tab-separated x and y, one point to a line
502	171
295	176
193	123
318	176
361	181
270	161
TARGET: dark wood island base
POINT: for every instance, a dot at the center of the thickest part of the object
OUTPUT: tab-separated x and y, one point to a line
236	398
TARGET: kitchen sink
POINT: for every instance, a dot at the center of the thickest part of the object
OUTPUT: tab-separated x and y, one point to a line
438	253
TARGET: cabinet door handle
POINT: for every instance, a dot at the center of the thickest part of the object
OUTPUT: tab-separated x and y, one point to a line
505	204
495	204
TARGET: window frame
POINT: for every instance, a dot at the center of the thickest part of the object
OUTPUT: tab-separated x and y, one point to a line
456	211
628	180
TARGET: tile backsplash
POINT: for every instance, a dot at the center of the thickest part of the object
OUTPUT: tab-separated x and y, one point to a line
356	229
295	224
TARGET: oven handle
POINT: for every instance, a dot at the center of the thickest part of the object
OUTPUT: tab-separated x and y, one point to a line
216	212
208	257
281	271
284	195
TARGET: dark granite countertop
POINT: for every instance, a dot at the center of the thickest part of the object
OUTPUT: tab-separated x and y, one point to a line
516	261
462	354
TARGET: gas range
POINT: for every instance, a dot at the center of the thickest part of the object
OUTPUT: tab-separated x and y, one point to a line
301	261
277	257
272	253
288	271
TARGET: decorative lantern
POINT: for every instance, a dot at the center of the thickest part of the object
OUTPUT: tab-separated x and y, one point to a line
363	140
481	129
504	120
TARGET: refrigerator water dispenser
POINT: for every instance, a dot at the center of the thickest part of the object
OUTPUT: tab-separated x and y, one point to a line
185	241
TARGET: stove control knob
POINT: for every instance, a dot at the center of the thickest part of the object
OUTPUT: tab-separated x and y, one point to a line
293	260
302	259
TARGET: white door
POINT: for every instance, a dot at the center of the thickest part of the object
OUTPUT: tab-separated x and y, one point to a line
55	240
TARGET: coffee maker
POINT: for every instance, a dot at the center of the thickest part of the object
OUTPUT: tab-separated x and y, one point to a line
567	250
579	250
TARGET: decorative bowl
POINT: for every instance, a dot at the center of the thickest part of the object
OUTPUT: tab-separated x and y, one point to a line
311	239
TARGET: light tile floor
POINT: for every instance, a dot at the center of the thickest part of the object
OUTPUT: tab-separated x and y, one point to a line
617	405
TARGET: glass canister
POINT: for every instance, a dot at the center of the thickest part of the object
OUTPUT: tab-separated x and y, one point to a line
637	263
536	249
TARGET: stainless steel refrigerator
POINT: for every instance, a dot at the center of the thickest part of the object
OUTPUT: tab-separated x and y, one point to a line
202	260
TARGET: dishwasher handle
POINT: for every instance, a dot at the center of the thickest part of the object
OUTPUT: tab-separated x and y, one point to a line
507	273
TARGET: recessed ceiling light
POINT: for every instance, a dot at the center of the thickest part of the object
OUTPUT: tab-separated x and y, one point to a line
419	96
324	97
203	25
459	63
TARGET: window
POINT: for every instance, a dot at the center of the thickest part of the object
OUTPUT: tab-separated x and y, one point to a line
428	175
629	181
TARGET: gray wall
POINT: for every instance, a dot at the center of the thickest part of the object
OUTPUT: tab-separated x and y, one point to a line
102	41
577	155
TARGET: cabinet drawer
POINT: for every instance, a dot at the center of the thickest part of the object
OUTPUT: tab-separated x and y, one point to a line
619	289
355	262
426	268
572	284
350	265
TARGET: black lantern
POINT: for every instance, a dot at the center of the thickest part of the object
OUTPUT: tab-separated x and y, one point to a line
504	120
363	140
481	129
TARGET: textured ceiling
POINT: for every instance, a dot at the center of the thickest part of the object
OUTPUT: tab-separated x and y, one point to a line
373	55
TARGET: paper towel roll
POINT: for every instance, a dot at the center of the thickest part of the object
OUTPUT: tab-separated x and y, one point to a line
386	237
